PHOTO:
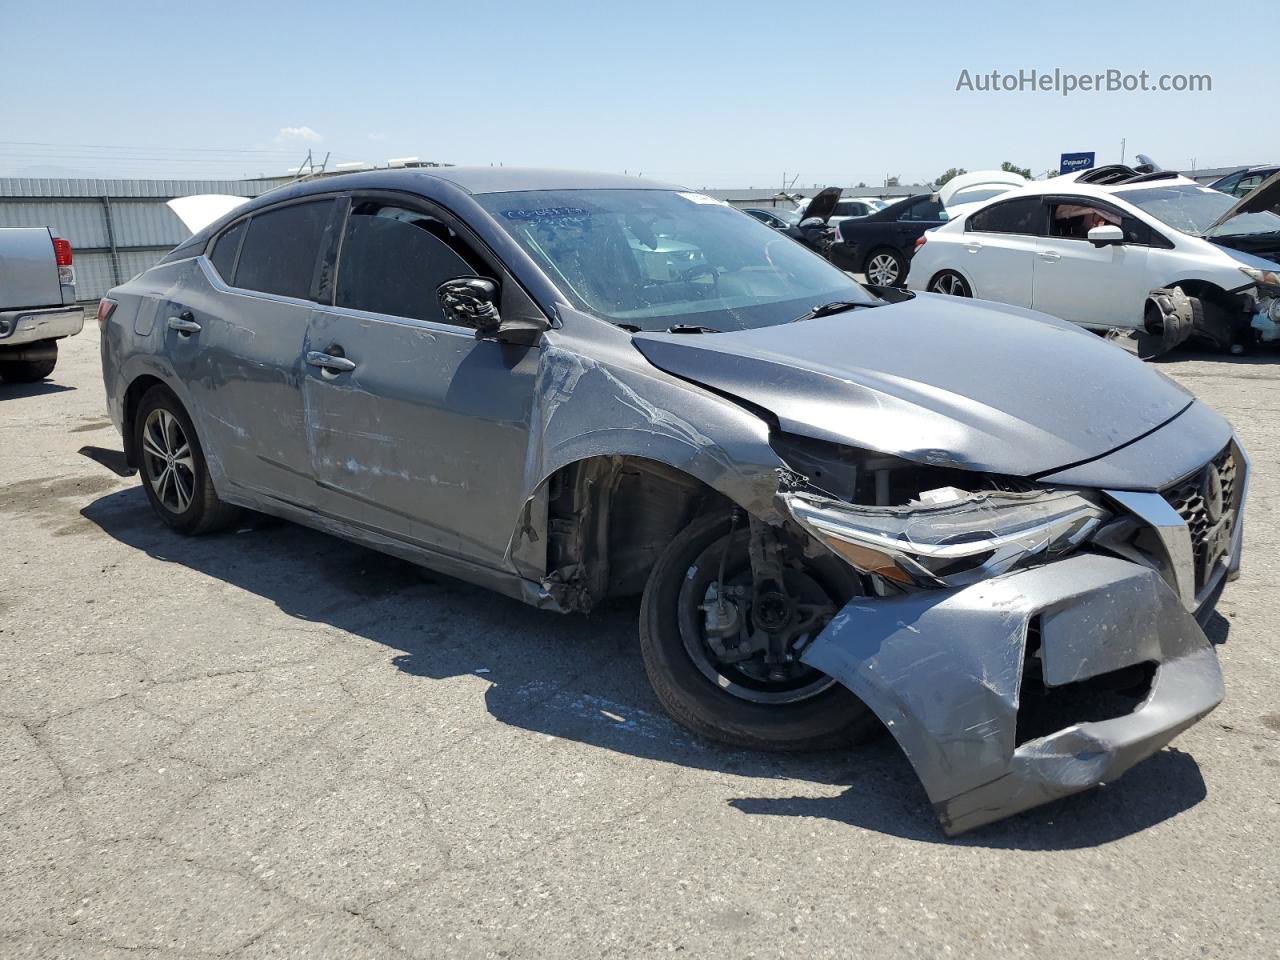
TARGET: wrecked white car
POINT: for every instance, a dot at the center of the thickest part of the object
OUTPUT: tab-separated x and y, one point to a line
843	507
1154	254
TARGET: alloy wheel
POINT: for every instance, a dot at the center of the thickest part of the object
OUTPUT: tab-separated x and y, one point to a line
950	284
167	457
883	269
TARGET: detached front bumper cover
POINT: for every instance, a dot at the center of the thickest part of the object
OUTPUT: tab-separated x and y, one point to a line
943	670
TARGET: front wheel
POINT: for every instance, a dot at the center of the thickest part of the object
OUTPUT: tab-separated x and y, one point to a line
727	666
950	283
885	268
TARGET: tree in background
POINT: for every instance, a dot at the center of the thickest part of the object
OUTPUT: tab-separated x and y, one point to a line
951	173
1011	168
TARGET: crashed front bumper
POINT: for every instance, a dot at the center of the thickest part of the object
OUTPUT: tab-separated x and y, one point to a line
943	669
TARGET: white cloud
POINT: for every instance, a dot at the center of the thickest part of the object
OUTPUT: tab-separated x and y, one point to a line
306	134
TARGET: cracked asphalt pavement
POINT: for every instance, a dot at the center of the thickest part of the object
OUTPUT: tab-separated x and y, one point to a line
272	743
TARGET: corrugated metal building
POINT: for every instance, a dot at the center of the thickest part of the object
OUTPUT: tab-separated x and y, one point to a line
118	228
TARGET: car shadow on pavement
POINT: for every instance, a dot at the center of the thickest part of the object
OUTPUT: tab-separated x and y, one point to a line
1265	353
1157	789
581	678
19	391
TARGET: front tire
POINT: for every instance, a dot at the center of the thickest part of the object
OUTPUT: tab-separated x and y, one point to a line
885	268
174	473
29	371
740	703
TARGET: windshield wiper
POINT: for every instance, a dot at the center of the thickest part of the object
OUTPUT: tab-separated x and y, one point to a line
691	328
827	309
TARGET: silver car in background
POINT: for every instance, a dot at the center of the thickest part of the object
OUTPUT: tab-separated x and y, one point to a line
843	508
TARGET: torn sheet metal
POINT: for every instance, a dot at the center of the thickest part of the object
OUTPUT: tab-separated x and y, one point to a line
612	403
943	671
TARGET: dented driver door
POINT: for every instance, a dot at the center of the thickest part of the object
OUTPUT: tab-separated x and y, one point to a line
417	428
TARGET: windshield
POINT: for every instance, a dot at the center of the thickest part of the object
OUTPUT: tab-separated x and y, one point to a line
651	259
1193	209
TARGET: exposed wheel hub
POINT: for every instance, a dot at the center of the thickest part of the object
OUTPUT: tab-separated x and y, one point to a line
772	611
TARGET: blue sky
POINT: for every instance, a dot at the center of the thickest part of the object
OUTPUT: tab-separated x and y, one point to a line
710	93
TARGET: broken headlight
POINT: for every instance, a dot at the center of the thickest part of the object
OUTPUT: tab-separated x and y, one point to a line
949	536
1263	278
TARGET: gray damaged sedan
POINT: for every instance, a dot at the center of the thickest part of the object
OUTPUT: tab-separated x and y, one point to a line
844	508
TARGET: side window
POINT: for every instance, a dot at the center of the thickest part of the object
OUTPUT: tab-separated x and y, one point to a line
1228	184
1072	220
926	209
1024	216
225	249
393	259
1246	185
281	248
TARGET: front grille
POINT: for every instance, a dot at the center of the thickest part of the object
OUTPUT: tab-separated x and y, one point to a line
1208	501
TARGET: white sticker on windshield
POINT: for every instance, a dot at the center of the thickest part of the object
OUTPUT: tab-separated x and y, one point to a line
700	198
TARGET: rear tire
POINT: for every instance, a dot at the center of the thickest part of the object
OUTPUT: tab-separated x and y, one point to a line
827	718
174	473
28	371
885	267
950	283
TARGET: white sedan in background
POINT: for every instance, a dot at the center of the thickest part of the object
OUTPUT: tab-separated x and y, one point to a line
1091	247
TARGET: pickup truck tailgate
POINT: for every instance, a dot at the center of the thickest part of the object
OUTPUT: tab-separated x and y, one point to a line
28	269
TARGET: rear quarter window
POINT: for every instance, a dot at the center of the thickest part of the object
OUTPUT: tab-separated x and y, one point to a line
225	249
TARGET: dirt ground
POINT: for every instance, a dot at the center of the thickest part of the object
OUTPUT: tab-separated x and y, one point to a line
272	743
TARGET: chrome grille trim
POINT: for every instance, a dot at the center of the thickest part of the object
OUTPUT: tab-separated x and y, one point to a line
1180	517
1209	503
1155	511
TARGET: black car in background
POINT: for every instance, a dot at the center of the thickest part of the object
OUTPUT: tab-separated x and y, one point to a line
810	227
780	219
880	245
1245	181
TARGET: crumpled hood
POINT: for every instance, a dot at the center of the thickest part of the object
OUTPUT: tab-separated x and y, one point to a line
936	379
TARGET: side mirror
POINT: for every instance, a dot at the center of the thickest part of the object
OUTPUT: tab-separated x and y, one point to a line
812	223
471	302
1106	235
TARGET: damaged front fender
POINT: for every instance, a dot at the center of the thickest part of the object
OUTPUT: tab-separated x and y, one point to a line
944	670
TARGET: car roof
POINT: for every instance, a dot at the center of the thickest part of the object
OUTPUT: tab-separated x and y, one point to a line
481	180
432	182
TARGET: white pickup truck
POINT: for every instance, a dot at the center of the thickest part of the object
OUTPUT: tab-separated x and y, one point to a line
37	301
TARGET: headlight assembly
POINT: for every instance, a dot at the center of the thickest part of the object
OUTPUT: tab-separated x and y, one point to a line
1264	278
949	537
